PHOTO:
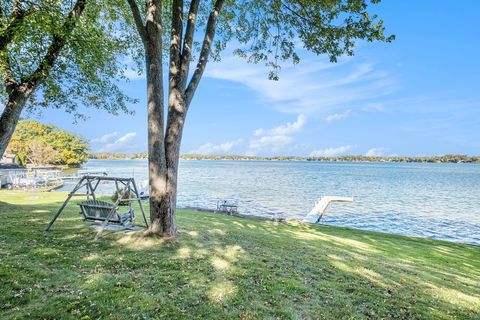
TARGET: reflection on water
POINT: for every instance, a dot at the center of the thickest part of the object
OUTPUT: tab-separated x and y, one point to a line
439	201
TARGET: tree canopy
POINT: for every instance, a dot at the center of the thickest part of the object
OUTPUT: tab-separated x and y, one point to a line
269	31
88	67
60	54
40	144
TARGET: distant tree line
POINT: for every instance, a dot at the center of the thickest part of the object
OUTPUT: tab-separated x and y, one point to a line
115	155
449	158
42	144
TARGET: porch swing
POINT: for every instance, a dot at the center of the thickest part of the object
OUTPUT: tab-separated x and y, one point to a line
107	213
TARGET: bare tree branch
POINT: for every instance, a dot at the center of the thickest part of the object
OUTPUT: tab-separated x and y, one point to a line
205	52
138	19
188	42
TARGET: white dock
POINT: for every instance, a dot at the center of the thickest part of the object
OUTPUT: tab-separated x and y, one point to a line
320	207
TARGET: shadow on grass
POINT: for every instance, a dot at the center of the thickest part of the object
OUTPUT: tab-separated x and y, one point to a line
226	267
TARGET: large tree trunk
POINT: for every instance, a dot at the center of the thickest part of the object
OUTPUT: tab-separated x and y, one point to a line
176	118
164	149
162	199
163	206
10	116
157	167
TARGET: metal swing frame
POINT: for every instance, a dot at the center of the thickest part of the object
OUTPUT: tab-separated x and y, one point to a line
91	183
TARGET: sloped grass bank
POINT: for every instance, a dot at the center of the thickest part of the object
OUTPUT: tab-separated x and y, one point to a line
223	267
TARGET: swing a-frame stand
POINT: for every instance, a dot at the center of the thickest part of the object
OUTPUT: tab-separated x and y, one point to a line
102	211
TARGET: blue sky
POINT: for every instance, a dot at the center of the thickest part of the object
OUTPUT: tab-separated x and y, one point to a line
419	95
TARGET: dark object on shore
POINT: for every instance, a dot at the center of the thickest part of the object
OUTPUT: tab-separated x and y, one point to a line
10	166
226	207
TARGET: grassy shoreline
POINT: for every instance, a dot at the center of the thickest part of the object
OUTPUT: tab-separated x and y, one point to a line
225	267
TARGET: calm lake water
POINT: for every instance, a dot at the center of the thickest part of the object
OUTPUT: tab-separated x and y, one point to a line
440	201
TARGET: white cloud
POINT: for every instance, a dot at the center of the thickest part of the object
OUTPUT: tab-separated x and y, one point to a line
338	116
105	138
133	75
210	148
276	138
314	86
376	152
126	138
121	144
283	130
269	143
331	152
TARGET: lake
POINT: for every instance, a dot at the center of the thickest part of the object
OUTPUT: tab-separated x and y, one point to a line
440	201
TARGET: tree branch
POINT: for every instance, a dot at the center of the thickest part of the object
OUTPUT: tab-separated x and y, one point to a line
188	42
17	16
295	13
137	17
205	52
153	20
7	74
56	46
175	42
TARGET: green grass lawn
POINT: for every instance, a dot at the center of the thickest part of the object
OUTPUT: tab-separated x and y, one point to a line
223	267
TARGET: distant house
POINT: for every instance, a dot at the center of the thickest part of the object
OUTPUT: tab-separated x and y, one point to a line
8	158
7	164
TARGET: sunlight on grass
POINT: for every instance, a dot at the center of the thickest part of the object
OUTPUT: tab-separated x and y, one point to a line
220	264
216	232
46	252
455	296
221	290
372	276
71	237
468	281
135	241
201	253
231	252
93	280
225	257
184	253
225	267
353	244
92	257
238	224
305	235
194	234
342	266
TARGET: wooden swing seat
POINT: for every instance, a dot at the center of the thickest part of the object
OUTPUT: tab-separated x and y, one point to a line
98	210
